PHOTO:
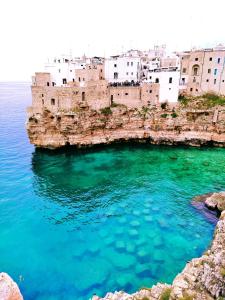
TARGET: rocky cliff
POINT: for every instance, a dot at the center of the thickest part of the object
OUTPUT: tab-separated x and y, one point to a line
85	127
202	278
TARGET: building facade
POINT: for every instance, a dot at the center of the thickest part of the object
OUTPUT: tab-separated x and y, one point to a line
203	71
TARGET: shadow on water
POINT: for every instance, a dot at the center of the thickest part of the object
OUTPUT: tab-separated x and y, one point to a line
93	179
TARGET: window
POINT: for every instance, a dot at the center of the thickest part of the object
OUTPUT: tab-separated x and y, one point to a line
150	91
209	71
210	59
223	80
52	101
128	63
79	78
194	79
42	95
157	80
70	70
184	70
215	71
53	83
183	80
64	81
191	89
218	60
127	73
83	79
170	80
115	65
196	58
196	90
132	73
43	102
131	64
101	70
150	77
47	83
115	75
214	81
169	89
207	80
126	94
195	71
73	80
59	70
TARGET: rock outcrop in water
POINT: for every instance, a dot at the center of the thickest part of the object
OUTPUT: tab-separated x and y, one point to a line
202	278
8	288
85	127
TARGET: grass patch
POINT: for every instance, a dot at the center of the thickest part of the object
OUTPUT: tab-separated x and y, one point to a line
222	272
165	294
106	111
212	99
183	100
186	297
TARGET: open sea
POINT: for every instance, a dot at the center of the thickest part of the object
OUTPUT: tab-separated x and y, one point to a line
74	223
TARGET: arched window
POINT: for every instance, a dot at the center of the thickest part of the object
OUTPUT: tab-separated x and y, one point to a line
195	70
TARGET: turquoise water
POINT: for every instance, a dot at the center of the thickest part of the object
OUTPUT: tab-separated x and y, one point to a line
74	223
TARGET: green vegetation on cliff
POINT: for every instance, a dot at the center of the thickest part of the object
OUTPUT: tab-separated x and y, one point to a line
206	101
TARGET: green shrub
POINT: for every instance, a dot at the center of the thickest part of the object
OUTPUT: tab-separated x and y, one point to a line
165	294
106	111
183	100
164	115
164	105
174	115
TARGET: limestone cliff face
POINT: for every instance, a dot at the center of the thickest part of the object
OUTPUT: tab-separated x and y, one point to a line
89	127
202	278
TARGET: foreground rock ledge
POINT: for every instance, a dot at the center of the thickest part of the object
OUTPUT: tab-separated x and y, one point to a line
202	278
8	288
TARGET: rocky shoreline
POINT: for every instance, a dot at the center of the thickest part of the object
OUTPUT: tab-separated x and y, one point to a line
202	278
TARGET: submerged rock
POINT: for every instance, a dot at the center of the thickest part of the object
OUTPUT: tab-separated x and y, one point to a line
202	278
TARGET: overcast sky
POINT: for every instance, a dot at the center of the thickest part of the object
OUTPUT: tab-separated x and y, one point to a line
33	30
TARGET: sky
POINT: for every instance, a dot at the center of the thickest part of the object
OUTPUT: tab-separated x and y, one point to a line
33	30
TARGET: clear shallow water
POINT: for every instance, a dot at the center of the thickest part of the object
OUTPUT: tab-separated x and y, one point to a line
76	223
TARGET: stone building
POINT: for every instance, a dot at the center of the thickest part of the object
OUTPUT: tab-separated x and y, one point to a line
203	71
90	90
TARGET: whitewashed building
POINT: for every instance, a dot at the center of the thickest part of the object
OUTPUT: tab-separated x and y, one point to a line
168	80
122	68
63	68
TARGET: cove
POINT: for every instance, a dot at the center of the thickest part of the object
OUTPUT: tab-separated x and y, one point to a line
74	223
